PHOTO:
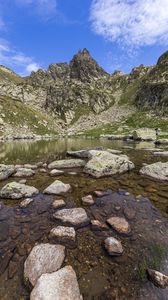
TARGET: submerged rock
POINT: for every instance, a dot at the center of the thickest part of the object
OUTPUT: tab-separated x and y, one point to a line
57	188
60	285
119	224
58	203
157	170
6	172
104	163
66	163
24	172
15	190
88	200
113	246
26	202
63	233
73	216
56	172
160	280
44	258
97	225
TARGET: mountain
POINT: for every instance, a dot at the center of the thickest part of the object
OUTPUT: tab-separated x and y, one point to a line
81	96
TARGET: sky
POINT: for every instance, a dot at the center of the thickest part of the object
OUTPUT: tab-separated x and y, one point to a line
120	34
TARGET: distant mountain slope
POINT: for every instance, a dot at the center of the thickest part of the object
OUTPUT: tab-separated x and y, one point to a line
82	91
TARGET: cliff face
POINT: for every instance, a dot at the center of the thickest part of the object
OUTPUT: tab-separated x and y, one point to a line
83	88
153	91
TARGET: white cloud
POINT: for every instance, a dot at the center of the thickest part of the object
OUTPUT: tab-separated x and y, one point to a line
32	67
45	8
133	23
17	60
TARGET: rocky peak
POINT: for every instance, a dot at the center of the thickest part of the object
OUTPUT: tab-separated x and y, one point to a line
139	71
83	67
163	58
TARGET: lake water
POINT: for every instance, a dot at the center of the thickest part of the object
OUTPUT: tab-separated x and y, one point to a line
99	275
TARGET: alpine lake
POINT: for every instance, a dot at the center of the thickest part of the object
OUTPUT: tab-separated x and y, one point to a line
141	200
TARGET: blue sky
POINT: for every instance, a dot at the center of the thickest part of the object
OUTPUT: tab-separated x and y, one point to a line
119	34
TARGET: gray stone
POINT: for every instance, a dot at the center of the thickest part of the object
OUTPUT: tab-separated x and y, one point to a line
15	190
60	285
6	172
63	233
56	172
73	216
88	200
157	170
44	258
160	280
66	163
162	153
79	154
58	203
104	163
113	246
119	224
24	172
57	188
29	166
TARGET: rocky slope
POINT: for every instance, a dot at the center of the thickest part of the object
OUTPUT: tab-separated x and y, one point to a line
80	95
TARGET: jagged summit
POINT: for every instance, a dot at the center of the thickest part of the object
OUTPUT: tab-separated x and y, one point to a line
84	67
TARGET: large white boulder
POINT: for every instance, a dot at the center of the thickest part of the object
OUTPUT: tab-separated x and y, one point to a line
44	258
15	190
60	285
104	163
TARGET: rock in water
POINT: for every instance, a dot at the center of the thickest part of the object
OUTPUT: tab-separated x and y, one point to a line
160	280
119	224
15	190
73	216
24	172
79	154
26	202
88	200
6	172
57	188
66	163
104	163
44	258
60	285
58	203
56	172
63	233
113	246
157	170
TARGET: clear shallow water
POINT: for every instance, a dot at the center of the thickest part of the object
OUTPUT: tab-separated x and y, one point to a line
100	276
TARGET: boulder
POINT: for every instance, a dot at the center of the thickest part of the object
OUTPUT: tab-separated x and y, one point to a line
66	163
63	233
113	246
73	216
60	285
114	151
57	188
15	190
104	163
29	166
79	154
157	170
44	258
119	224
24	172
160	280
88	200
144	134
6	172
56	172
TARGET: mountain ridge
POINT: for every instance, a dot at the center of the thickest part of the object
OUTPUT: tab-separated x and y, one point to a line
82	90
